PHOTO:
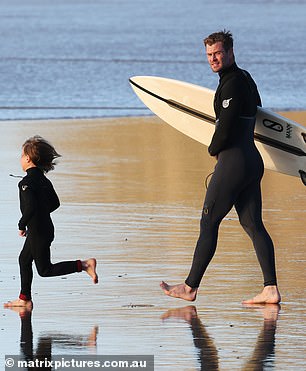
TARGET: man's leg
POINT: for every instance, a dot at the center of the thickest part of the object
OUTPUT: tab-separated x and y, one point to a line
221	194
249	209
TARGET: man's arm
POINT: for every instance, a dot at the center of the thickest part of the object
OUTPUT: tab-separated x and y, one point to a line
231	103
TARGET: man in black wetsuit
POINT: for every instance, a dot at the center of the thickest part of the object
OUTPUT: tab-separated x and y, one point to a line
237	176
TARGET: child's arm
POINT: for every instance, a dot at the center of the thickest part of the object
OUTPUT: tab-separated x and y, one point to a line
28	206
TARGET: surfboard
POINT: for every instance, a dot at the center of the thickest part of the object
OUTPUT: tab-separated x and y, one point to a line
189	108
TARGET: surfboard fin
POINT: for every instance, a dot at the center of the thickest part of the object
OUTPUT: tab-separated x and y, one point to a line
303	176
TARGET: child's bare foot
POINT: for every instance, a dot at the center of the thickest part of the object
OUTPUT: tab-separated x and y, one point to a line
89	266
27	304
181	291
269	295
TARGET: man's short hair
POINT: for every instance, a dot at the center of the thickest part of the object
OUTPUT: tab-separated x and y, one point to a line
224	36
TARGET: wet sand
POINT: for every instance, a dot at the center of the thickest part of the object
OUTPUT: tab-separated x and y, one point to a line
131	191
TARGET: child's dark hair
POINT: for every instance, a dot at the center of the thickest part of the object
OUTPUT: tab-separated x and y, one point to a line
41	153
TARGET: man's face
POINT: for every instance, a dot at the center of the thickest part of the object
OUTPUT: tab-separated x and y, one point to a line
218	58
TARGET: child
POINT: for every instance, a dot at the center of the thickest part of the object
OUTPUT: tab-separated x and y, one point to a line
37	200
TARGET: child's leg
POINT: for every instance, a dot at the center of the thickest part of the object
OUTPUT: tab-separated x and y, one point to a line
26	271
45	268
26	277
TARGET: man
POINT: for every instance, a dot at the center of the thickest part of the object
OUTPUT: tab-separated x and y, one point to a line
237	176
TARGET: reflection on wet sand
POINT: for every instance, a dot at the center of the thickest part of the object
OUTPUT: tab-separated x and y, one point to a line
208	354
131	191
263	354
46	341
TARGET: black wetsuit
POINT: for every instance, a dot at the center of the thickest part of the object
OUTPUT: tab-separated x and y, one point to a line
37	200
237	176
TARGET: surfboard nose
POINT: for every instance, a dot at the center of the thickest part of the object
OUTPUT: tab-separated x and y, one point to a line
132	79
138	79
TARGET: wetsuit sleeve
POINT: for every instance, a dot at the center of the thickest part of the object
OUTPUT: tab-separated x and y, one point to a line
231	102
28	205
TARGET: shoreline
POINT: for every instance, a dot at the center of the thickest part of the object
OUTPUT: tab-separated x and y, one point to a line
297	115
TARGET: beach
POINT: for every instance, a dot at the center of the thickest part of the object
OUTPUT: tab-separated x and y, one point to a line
131	192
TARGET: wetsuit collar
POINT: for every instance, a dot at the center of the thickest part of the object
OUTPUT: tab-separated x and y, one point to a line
33	170
231	68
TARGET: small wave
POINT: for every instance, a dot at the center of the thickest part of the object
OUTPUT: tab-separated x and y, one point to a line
136	61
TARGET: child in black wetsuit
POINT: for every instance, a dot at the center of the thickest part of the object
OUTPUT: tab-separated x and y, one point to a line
38	200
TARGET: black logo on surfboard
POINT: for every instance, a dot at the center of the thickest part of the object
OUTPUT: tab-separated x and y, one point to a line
289	131
273	125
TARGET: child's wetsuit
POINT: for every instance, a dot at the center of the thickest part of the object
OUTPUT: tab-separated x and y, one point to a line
37	200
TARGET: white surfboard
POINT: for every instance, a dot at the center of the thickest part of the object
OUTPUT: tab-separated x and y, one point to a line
189	109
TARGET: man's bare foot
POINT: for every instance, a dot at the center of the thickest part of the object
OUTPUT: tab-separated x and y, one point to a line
89	266
269	295
181	291
27	304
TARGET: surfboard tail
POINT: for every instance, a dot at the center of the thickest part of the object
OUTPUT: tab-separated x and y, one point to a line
303	176
189	109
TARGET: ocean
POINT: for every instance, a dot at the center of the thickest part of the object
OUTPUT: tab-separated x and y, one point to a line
73	58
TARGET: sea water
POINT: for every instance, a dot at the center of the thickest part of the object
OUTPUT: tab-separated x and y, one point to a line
73	58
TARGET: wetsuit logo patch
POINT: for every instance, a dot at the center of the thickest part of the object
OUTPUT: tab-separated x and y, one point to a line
226	103
24	187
